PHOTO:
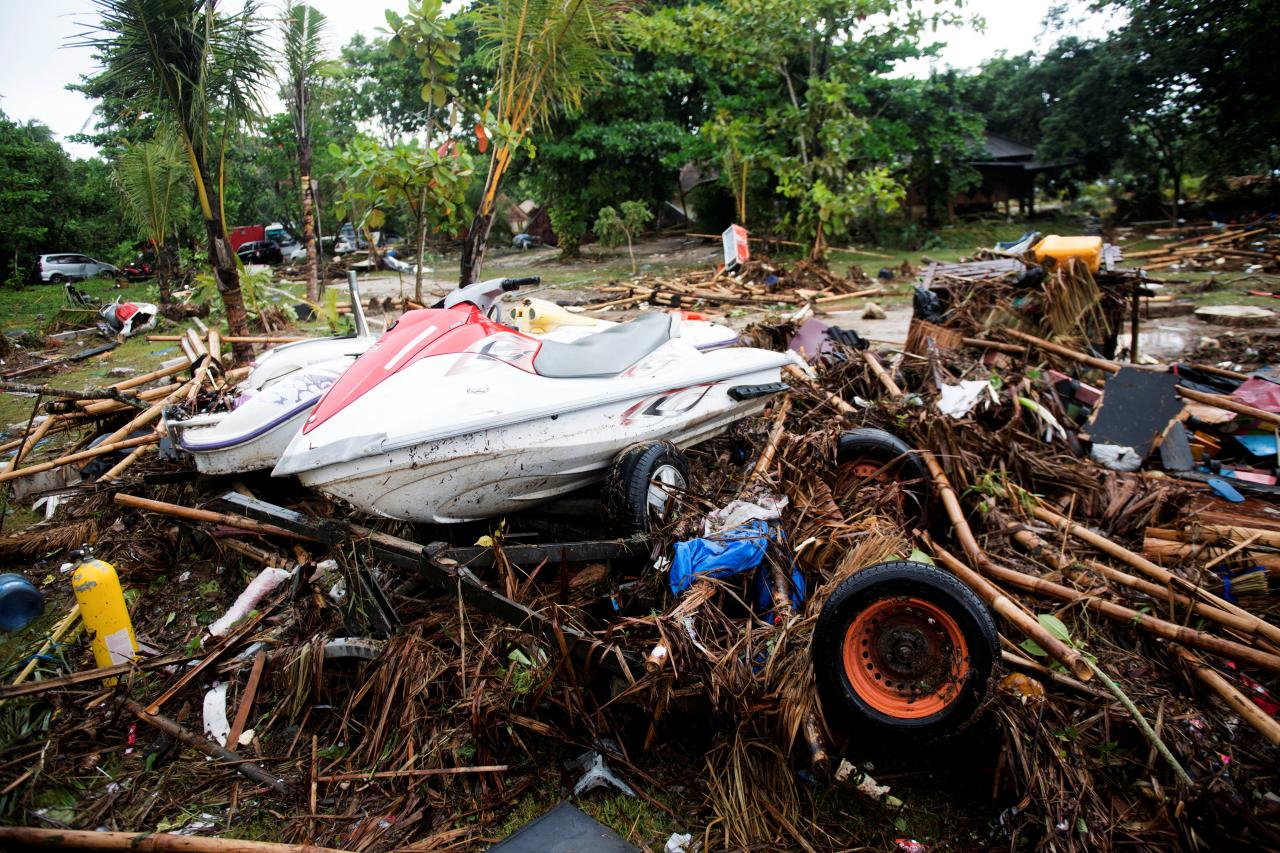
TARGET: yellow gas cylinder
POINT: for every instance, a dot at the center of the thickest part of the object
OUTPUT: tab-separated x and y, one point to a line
103	608
1087	249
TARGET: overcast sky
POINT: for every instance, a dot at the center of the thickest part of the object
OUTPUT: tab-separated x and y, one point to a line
36	65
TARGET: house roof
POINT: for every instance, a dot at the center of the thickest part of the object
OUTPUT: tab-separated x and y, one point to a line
1002	148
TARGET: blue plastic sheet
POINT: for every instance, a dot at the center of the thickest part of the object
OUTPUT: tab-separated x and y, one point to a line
730	553
733	552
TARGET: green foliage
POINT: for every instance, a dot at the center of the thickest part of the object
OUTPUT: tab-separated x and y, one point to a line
149	176
614	229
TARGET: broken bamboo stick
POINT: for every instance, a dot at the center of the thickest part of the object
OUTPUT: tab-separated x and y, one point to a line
237	339
878	369
1263	722
1150	569
31	441
100	450
412	773
765	460
1127	615
1038	548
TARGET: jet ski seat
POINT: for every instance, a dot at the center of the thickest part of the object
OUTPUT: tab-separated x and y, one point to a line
606	353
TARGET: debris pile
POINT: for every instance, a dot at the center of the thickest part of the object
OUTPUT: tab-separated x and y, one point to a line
1253	248
1095	621
758	282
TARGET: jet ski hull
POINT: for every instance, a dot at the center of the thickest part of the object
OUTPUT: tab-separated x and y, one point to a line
456	437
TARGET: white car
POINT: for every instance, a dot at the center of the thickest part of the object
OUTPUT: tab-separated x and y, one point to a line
59	268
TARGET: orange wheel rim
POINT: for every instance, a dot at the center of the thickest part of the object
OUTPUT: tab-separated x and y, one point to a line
868	469
906	657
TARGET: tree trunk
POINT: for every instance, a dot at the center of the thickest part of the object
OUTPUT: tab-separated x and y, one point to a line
308	219
473	249
227	275
162	271
422	247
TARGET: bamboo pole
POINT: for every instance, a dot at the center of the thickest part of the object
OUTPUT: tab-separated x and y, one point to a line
1263	722
31	441
1119	613
1150	569
878	369
143	842
100	450
1038	548
54	636
1217	400
765	460
162	373
207	516
119	468
1016	615
412	773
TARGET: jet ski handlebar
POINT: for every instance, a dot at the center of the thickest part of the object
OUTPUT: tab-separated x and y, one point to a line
483	294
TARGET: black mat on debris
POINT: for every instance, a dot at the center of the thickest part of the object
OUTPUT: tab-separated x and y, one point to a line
564	829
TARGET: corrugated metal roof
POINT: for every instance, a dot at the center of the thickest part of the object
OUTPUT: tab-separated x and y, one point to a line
1000	148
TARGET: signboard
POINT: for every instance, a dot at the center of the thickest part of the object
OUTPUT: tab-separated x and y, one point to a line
735	246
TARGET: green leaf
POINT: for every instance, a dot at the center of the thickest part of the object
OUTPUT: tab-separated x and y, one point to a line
1054	626
1032	648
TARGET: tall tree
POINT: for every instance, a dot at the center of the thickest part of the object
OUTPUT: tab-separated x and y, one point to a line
545	56
200	71
304	65
149	176
32	167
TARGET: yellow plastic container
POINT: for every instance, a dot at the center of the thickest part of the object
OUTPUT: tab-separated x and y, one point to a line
105	614
1087	249
540	316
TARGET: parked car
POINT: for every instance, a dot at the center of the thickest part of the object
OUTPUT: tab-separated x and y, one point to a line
261	252
59	268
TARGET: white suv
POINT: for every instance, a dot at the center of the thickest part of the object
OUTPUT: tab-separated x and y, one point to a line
60	268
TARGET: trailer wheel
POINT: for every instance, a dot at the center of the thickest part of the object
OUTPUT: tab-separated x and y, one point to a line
873	454
643	483
903	649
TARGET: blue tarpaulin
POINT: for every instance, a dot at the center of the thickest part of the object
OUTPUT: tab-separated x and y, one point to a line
732	552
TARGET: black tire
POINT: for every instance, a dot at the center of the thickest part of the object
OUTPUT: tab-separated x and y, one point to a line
57	278
936	672
893	458
628	485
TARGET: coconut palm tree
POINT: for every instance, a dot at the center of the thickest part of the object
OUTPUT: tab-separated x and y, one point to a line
304	66
200	72
149	176
545	55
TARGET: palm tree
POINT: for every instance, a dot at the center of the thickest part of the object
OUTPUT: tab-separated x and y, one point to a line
148	176
303	64
545	55
200	72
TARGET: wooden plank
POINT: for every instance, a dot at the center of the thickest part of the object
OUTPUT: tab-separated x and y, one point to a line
246	699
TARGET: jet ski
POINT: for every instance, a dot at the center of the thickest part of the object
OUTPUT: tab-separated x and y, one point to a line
283	385
286	383
452	417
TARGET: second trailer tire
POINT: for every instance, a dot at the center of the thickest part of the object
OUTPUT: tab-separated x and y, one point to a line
875	454
903	649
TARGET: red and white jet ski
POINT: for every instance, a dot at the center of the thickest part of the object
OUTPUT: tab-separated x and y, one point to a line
452	417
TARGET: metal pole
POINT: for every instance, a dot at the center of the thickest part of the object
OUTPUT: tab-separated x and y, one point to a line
357	308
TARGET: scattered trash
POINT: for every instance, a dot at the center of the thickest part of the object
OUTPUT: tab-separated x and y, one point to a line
596	773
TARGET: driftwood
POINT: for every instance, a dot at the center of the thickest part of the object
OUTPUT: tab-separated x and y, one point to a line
207	746
143	842
204	515
91	394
